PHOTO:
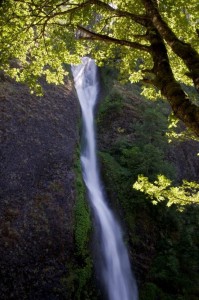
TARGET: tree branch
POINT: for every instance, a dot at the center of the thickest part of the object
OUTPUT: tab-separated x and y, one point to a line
140	19
90	35
184	50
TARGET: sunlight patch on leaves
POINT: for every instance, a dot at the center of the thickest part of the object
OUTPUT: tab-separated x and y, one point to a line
162	189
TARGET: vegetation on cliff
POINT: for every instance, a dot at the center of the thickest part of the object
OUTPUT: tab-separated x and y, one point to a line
162	238
83	285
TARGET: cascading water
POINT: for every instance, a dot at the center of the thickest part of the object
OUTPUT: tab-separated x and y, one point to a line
116	272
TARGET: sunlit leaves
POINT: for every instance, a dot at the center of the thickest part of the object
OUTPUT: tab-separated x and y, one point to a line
176	133
162	189
43	35
134	6
32	33
178	67
136	76
182	17
150	92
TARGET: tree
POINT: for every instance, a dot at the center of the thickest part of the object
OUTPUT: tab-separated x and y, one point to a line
161	189
152	41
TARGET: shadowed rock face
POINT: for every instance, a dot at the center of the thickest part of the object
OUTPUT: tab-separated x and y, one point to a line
184	156
38	140
141	221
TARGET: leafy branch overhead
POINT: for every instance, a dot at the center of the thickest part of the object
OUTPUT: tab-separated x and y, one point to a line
159	39
161	189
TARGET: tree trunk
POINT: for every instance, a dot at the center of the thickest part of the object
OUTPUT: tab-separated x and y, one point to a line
170	88
184	50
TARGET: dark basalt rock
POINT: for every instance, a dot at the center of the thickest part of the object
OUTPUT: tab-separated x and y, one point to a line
38	140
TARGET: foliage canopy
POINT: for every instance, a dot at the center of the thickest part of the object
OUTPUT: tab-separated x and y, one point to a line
148	40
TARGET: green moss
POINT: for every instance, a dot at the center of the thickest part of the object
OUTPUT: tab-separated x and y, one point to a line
82	214
151	292
112	103
83	270
84	277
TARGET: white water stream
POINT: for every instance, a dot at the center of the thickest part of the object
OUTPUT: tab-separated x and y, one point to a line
116	271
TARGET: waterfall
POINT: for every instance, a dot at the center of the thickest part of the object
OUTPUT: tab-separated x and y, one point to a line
116	271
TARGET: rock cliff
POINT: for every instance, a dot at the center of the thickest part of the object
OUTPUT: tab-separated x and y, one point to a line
38	141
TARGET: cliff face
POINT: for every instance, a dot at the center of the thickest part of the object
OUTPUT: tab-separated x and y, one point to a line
126	119
162	240
184	156
45	226
38	141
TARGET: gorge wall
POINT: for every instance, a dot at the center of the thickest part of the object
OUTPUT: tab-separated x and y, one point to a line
39	136
45	250
163	242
